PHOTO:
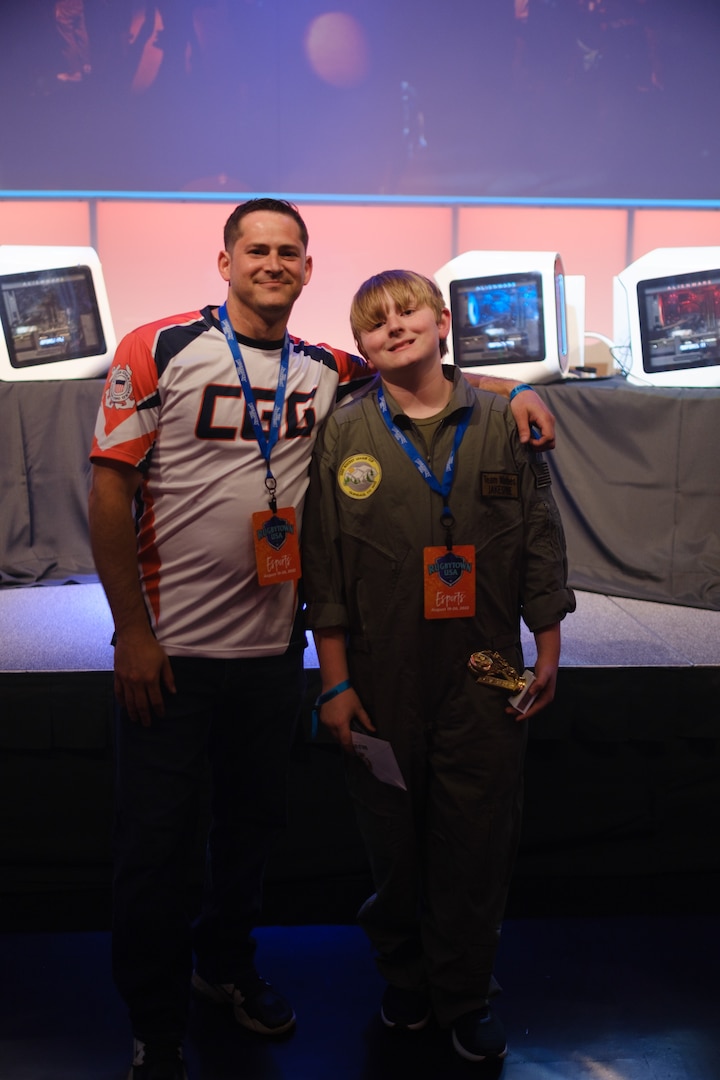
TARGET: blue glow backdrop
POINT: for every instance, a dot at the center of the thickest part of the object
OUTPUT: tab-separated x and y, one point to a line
539	98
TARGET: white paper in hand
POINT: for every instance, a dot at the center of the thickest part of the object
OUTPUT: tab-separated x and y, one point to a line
379	757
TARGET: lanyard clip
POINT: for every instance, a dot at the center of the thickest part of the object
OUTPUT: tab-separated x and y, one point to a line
271	488
447	521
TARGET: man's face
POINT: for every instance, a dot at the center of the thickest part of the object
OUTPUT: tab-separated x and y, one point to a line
267	267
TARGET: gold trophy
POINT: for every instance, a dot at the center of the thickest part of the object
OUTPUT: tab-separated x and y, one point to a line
490	669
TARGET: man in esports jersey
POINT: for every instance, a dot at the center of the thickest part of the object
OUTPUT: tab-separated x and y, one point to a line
200	467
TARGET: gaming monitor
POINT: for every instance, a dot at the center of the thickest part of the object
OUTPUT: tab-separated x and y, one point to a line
509	313
55	315
666	317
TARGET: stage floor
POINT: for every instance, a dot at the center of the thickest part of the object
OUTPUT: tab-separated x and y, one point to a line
583	999
69	628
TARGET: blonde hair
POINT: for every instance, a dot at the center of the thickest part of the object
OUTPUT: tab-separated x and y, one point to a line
405	288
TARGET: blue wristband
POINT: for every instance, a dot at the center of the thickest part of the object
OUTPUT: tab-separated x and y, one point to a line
327	696
518	390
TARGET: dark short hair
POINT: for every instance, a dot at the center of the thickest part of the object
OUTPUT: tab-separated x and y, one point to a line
252	206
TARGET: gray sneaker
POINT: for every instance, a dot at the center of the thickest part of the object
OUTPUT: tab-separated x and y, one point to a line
478	1035
256	1004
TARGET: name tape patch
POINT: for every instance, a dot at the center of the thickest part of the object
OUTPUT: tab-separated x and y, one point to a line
499	485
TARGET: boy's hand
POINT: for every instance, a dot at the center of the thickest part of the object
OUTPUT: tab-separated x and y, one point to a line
544	691
338	714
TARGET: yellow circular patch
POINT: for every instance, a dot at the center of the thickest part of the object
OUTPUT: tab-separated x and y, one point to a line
359	476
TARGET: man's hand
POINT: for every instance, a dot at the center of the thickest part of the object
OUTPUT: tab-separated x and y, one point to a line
528	408
535	422
142	670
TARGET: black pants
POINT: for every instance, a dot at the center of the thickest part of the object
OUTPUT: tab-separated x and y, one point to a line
240	716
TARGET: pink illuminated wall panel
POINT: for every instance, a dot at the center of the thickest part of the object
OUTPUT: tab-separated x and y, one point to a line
160	258
38	222
674	228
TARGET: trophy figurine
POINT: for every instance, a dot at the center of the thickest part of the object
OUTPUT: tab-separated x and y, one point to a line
490	669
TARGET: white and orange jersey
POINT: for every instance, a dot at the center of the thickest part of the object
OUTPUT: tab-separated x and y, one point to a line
173	407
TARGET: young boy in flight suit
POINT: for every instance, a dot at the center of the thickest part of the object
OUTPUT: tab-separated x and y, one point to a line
430	530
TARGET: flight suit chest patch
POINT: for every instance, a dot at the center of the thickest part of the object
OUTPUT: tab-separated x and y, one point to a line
359	476
499	485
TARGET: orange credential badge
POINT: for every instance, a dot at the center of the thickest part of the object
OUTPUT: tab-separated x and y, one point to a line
449	582
277	553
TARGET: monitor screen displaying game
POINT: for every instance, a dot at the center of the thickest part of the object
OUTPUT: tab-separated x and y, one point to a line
54	314
50	316
680	321
497	320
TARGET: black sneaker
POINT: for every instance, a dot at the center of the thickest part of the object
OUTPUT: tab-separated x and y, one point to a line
479	1035
257	1006
409	1009
157	1061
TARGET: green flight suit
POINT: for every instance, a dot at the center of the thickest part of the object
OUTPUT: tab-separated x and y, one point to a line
442	852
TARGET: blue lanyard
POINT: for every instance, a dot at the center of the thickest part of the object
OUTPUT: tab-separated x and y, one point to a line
442	488
265	442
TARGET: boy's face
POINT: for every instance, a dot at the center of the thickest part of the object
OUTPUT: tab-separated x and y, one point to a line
405	338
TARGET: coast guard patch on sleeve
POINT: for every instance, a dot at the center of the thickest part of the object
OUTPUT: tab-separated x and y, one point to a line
119	389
